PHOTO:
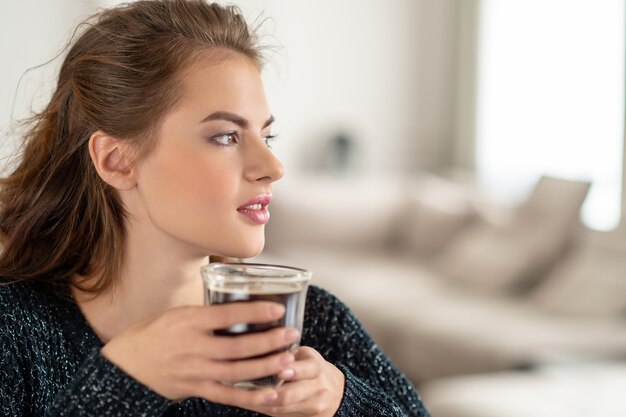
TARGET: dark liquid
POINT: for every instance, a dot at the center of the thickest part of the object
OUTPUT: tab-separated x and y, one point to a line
289	300
286	295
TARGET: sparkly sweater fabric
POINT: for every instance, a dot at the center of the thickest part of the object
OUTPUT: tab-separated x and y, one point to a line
50	364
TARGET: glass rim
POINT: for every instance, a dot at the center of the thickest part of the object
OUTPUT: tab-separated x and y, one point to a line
216	272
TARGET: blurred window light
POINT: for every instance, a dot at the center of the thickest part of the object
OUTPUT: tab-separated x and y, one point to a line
550	98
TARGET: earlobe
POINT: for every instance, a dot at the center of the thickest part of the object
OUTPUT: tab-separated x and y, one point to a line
108	154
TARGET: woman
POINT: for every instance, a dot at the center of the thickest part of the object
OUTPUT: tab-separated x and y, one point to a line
152	154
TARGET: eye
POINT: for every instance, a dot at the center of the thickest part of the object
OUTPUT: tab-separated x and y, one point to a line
225	139
269	139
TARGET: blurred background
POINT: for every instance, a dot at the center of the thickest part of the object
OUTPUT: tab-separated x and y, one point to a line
455	174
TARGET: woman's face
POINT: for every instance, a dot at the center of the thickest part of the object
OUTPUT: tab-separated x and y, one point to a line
207	183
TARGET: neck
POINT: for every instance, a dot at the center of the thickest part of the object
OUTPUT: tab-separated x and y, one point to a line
156	275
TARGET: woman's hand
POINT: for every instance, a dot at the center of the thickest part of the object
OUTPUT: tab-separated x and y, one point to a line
177	356
314	388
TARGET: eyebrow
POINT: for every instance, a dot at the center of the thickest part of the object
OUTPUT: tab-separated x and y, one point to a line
234	118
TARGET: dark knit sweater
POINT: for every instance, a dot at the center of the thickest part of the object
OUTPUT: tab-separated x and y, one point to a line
50	364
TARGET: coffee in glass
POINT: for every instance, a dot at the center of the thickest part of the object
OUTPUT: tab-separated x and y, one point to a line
246	282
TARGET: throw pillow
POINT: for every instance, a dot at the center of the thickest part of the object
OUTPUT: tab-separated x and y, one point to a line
435	211
513	257
590	282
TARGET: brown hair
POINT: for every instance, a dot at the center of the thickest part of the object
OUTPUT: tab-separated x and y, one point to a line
58	218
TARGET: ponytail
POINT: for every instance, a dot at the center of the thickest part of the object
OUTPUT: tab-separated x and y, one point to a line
58	218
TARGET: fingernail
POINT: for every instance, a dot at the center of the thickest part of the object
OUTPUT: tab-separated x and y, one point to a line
277	310
286	359
291	335
271	397
287	373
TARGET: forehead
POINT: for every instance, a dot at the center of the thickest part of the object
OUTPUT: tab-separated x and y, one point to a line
223	81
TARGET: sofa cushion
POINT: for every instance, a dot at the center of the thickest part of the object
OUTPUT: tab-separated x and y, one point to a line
435	211
493	259
512	257
590	282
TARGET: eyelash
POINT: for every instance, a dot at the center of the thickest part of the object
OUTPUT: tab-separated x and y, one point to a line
234	135
269	139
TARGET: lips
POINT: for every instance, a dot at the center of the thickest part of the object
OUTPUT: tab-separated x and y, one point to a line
256	209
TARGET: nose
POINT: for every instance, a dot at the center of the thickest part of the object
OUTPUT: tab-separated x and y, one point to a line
262	164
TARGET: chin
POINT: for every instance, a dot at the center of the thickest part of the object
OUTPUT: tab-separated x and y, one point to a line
248	250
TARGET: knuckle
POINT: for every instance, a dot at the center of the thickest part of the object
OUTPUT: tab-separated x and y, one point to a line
226	398
199	369
316	407
312	353
231	373
275	410
224	316
270	367
257	399
201	390
228	401
284	398
179	373
316	368
235	347
224	372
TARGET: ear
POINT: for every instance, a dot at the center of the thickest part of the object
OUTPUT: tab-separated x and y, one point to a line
109	157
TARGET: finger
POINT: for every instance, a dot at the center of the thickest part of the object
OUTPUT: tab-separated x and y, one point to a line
297	398
223	394
226	315
244	370
313	406
304	368
295	392
246	346
301	369
305	352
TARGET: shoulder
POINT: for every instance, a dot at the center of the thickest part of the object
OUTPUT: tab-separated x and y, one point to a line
15	294
24	303
319	301
325	313
315	292
15	300
21	294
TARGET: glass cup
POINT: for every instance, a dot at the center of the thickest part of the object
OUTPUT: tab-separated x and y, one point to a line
243	282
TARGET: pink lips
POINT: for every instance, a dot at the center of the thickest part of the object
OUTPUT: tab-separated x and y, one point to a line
256	209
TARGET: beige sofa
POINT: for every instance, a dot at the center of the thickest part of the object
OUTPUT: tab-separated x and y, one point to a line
590	389
451	284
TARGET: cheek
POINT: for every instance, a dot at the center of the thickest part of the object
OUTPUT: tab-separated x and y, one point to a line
201	188
189	188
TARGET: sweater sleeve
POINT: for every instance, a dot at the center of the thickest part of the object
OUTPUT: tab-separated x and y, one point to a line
105	390
43	374
373	384
98	389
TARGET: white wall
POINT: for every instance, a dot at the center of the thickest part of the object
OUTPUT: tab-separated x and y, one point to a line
382	71
32	32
